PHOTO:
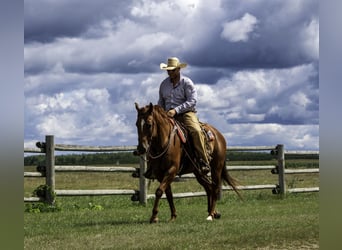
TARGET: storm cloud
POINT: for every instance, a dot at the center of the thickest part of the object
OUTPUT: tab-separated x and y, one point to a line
255	64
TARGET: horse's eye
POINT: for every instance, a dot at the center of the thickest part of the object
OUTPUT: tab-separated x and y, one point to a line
148	126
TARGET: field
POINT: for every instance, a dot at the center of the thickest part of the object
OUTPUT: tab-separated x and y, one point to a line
261	221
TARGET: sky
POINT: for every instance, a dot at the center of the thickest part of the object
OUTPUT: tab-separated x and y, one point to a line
255	65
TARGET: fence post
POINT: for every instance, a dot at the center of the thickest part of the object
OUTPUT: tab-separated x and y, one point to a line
281	169
50	168
142	181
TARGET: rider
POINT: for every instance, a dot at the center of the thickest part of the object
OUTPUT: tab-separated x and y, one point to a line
178	96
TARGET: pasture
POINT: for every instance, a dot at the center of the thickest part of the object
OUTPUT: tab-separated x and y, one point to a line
261	221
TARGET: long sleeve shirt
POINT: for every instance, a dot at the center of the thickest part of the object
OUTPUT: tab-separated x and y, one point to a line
182	97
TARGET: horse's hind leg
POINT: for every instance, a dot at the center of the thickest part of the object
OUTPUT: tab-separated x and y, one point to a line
214	196
212	189
208	189
169	196
215	190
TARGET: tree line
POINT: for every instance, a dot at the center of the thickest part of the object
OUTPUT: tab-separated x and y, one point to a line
129	158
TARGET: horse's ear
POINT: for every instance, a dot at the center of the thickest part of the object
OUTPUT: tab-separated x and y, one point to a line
136	106
150	109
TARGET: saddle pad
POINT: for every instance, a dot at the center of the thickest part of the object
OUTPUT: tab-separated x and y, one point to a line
180	131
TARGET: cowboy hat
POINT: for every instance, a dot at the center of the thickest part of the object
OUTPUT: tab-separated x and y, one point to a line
172	63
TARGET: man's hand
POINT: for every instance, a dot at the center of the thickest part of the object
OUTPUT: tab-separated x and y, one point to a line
171	112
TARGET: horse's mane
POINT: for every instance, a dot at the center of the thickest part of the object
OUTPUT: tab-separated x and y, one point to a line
160	111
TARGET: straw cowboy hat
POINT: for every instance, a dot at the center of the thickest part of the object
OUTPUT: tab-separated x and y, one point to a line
172	63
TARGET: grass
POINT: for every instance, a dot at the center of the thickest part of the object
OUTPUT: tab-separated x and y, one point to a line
262	221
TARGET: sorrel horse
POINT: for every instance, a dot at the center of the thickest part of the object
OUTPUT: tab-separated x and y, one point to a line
168	156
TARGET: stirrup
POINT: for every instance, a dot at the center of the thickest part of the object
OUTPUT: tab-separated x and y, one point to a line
204	167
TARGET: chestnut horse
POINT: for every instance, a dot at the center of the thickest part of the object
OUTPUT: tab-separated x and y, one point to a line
169	157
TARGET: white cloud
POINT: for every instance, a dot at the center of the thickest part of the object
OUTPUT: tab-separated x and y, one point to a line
304	137
80	115
300	99
207	97
161	9
256	95
310	38
240	29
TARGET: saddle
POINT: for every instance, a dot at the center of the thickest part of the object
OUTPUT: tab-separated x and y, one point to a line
182	133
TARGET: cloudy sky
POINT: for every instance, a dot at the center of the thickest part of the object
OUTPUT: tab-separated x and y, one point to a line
255	64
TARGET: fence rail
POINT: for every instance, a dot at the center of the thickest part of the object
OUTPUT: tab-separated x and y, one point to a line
48	148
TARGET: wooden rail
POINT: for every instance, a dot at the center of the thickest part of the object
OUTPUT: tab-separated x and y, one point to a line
48	148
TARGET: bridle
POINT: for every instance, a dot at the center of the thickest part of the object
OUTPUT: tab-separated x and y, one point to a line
150	141
148	150
166	148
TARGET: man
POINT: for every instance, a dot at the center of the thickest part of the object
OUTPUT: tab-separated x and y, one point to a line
178	96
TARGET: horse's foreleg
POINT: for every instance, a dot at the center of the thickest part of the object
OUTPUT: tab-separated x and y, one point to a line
154	218
169	197
164	185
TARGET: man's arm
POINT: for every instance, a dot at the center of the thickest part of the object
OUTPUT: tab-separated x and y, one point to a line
191	97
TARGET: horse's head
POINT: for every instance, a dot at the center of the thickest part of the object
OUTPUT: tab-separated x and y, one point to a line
145	125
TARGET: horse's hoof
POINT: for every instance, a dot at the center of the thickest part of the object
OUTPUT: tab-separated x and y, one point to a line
209	218
173	218
217	215
154	220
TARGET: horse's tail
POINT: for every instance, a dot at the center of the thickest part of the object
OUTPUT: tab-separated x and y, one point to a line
230	181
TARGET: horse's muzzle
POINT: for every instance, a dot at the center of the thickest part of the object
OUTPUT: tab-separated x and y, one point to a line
139	151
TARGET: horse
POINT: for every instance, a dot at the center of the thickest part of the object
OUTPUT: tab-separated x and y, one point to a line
167	155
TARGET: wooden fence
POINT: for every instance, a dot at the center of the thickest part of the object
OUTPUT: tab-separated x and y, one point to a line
48	171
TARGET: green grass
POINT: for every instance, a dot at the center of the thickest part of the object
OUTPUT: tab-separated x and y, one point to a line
261	221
